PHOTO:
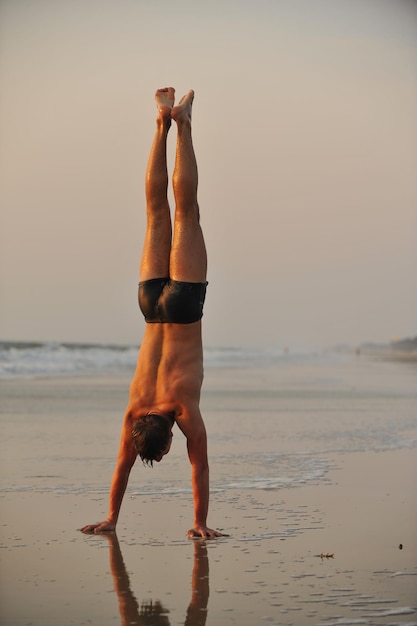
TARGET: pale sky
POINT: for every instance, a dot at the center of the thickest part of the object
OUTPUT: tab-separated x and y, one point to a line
305	133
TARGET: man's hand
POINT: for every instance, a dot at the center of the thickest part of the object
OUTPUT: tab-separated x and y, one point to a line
202	532
101	527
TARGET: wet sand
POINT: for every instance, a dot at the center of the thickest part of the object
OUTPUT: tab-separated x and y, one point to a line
270	570
322	548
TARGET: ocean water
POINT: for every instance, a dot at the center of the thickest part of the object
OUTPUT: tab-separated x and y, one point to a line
31	359
282	415
34	359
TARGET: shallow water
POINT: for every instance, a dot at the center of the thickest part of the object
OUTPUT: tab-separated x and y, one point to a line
297	448
279	421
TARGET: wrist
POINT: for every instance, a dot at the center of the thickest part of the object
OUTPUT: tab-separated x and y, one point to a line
200	523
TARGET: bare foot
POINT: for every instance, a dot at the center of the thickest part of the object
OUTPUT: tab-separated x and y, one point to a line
182	112
165	99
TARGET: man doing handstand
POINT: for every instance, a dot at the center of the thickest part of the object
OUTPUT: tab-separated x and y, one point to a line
169	373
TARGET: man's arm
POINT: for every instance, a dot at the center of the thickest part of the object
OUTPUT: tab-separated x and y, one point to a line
125	461
192	426
197	453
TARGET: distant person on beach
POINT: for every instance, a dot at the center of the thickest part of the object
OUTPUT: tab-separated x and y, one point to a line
169	373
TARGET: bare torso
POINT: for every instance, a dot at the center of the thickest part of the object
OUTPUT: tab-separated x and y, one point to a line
169	370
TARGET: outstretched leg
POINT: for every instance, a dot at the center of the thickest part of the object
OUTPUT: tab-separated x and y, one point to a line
157	245
188	254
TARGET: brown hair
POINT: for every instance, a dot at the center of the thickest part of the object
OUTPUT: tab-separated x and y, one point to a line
151	435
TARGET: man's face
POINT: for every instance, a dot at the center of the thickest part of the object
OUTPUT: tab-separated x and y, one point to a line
164	452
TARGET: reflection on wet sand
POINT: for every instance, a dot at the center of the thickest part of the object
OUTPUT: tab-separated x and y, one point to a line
197	609
152	613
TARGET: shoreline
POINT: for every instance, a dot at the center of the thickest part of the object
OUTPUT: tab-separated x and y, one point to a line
389	354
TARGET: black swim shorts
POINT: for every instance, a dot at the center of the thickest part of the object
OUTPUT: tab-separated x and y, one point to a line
167	301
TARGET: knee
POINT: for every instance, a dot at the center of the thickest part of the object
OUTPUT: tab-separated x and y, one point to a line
157	208
188	212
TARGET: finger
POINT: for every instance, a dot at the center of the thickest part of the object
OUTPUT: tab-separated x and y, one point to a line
199	534
206	534
215	534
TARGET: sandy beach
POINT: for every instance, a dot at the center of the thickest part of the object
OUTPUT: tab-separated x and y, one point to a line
322	518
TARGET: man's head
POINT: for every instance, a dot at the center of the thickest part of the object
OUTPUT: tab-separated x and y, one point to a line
152	437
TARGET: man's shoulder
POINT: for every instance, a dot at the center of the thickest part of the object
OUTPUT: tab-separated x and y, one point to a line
189	415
